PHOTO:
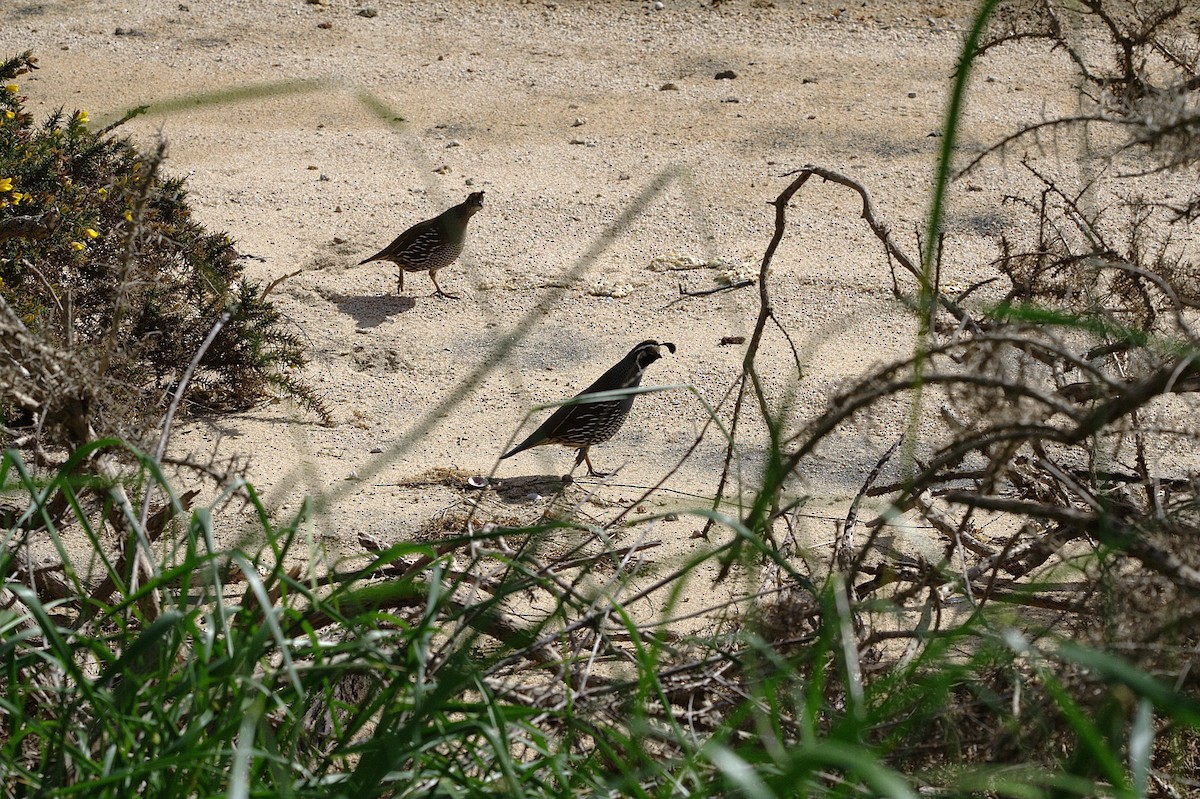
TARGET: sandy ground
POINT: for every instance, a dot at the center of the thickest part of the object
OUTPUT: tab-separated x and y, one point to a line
561	113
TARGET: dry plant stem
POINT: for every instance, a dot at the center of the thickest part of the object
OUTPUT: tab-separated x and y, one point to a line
741	284
844	544
1106	528
277	281
169	416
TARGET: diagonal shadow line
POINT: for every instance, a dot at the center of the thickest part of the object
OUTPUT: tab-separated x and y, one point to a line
183	102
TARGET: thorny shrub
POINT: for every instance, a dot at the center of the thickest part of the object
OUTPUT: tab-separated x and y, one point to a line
112	286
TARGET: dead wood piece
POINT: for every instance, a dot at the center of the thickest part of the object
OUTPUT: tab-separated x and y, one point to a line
29	227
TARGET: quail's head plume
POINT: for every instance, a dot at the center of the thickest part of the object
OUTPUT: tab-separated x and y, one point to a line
433	244
580	424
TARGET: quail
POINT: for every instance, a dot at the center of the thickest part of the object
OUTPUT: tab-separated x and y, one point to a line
433	244
583	424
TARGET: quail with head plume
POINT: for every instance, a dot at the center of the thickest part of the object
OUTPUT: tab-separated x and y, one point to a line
582	424
433	244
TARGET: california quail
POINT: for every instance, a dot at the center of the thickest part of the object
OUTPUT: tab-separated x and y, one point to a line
582	424
433	244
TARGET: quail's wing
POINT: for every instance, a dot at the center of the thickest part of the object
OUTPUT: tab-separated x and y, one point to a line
558	420
422	232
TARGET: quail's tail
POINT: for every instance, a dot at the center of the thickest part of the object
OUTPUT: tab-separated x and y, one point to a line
535	438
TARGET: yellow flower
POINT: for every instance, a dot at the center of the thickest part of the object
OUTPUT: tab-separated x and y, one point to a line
11	88
9	114
83	117
5	184
16	195
103	192
129	216
76	246
3	203
91	234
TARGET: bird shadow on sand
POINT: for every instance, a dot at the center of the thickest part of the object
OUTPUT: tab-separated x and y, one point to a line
373	310
521	490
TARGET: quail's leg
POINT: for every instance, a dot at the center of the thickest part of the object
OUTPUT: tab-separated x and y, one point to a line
400	289
438	289
583	454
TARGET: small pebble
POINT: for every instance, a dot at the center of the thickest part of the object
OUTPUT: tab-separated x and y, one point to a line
453	143
352	476
579	122
324	177
624	176
731	100
658	6
469	182
725	74
672	517
668	87
369	13
376	450
340	240
325	25
911	95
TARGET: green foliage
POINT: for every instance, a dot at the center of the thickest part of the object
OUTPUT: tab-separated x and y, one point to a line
229	673
127	280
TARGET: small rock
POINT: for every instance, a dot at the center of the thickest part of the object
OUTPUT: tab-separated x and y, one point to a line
376	450
369	13
340	240
579	122
725	74
808	80
668	87
912	95
337	209
577	141
933	134
640	508
442	170
184	7
731	100
973	187
533	496
658	6
730	340
325	25
313	167
453	143
469	182
624	176
128	32
672	517
352	476
324	177
811	116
